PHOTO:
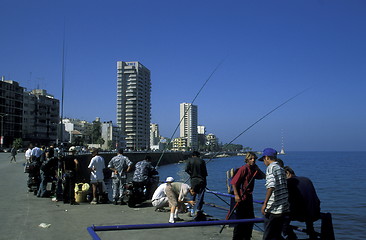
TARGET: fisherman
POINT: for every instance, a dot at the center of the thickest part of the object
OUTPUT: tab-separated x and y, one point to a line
27	156
119	165
177	195
96	167
47	171
142	176
70	169
275	206
304	204
196	168
243	186
159	199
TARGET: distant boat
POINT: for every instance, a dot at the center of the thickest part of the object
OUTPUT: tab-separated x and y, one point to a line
282	152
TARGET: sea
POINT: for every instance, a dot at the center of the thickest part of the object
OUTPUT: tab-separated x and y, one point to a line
338	177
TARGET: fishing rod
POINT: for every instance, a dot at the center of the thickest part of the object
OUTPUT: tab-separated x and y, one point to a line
194	99
260	119
230	213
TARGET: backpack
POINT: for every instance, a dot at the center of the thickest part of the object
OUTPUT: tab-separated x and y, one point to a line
229	175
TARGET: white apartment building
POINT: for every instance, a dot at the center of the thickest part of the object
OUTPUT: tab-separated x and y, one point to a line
111	135
201	130
154	134
134	104
73	128
188	126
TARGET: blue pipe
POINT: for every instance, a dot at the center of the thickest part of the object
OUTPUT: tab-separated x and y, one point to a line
173	225
93	234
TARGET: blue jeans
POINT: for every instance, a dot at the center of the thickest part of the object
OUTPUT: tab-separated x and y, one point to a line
42	186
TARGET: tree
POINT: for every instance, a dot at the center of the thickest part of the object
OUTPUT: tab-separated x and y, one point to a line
232	147
93	133
18	143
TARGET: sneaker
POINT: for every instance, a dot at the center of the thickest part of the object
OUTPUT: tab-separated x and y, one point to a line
94	201
171	221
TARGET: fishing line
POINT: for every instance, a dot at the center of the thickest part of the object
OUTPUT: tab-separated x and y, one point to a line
260	119
194	99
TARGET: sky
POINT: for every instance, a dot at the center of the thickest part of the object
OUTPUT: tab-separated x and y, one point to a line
265	53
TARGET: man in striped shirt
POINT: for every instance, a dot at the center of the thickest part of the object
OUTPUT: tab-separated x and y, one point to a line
275	205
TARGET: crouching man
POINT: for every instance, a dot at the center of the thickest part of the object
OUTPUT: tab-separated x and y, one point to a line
177	195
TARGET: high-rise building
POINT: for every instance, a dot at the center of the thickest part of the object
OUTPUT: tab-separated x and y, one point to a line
188	126
134	104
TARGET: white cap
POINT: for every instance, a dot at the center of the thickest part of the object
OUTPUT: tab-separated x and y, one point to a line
169	179
71	149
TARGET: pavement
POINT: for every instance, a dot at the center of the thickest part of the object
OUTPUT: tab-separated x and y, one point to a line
23	215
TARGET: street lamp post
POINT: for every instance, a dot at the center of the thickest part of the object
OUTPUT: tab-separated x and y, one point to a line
2	128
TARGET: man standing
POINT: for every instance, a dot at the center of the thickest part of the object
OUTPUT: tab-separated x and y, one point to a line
36	154
275	206
243	186
27	156
13	152
70	167
96	167
196	168
119	165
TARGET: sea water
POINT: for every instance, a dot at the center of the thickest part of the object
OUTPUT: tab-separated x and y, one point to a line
338	177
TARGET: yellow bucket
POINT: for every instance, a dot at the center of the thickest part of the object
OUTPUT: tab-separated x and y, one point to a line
81	190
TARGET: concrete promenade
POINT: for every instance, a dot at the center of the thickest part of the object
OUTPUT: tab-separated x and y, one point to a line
22	213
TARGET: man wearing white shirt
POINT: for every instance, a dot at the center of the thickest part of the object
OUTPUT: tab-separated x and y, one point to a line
96	167
159	199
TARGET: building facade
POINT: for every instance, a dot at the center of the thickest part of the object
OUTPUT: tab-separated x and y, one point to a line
180	144
11	111
154	134
32	116
188	125
112	136
134	104
41	113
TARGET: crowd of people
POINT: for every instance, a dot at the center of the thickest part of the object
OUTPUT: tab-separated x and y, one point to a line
288	197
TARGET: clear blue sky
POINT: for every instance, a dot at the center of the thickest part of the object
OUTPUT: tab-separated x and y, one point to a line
272	50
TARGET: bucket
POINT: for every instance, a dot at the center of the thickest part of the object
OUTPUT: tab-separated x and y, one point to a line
81	190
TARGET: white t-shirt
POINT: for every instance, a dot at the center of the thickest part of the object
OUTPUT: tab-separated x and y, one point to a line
159	192
28	154
96	165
